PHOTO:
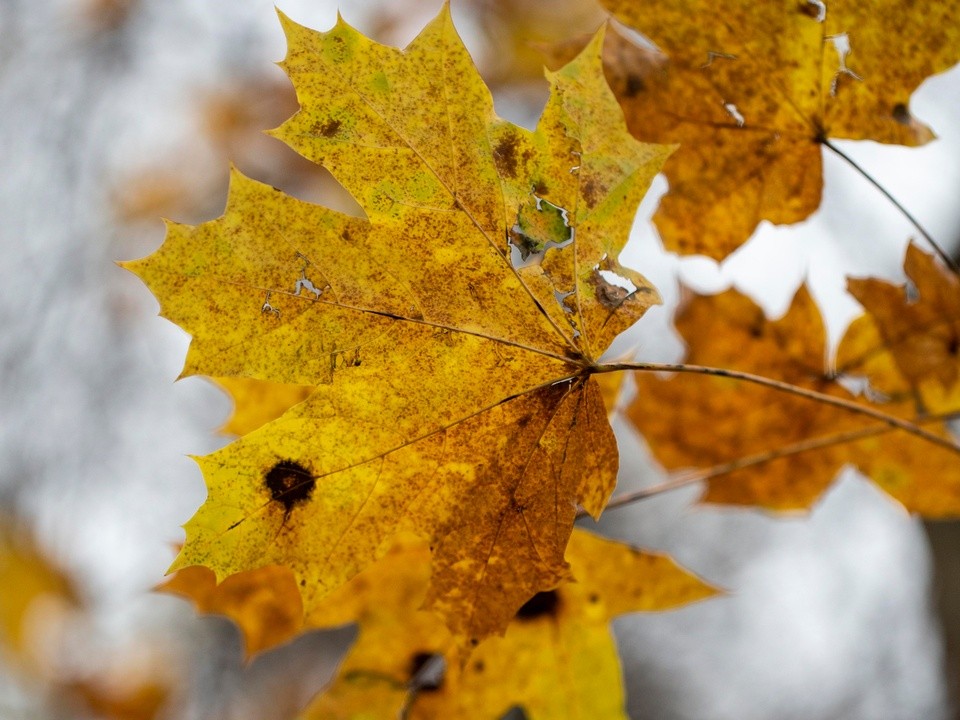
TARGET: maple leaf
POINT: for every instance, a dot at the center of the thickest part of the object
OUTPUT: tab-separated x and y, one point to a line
557	659
909	340
257	402
700	421
454	396
264	603
36	596
752	91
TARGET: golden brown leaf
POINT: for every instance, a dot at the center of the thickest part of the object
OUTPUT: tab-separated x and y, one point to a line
454	397
35	594
751	89
908	335
700	421
557	660
264	603
104	701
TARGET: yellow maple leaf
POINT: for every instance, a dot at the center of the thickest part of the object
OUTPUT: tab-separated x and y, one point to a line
454	396
696	421
557	659
752	90
257	402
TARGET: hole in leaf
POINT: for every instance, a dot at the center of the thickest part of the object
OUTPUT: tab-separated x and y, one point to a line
816	9
841	43
561	298
859	385
427	671
304	283
713	55
911	291
734	113
618	280
539	228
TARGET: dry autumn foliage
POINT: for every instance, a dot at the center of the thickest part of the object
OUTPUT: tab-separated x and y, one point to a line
422	395
752	91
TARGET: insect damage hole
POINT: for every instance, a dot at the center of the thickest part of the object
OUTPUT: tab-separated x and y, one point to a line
841	43
733	112
713	55
817	9
427	671
611	289
267	308
289	483
304	283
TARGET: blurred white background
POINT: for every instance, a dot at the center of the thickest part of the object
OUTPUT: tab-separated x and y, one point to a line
117	112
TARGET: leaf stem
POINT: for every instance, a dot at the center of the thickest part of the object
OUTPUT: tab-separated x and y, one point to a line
691	477
849	405
944	255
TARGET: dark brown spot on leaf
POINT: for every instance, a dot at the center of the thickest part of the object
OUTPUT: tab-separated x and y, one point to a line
289	483
543	603
901	114
505	156
329	128
634	85
592	191
515	713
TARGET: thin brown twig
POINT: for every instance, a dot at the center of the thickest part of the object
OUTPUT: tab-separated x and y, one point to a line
849	405
692	477
943	254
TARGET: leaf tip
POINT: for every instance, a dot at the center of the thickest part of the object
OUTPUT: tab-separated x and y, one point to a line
288	24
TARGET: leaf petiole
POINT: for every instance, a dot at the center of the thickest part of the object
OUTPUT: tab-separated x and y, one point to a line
692	477
849	405
943	254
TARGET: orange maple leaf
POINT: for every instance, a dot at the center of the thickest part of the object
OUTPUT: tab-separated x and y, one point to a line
794	446
909	340
752	90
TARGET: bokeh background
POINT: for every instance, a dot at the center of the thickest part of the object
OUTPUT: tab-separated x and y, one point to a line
115	113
